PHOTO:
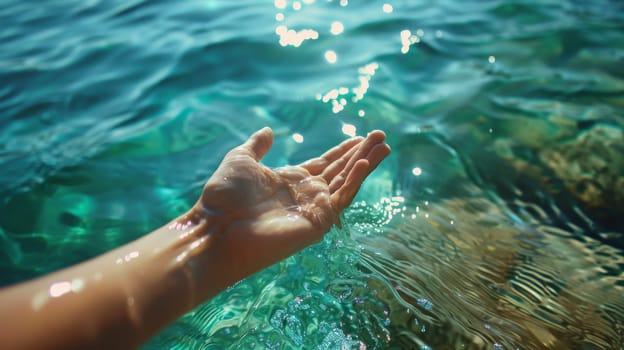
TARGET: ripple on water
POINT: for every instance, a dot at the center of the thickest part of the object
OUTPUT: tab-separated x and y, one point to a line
474	234
495	284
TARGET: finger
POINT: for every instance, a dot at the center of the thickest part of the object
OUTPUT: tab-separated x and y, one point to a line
259	143
344	190
316	165
374	137
378	153
336	183
343	197
341	170
338	165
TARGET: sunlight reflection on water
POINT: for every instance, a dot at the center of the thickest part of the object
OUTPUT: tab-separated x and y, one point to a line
494	224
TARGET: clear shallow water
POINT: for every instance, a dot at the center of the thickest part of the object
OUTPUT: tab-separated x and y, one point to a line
494	224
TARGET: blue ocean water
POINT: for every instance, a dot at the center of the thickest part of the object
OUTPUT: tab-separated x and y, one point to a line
494	224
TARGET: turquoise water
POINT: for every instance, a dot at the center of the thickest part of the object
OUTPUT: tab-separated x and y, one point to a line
494	224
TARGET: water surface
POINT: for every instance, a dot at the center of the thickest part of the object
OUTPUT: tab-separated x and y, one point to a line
494	224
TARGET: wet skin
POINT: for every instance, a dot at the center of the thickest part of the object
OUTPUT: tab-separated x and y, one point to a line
248	217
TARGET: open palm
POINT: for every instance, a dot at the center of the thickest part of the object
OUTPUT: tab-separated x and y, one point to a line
268	214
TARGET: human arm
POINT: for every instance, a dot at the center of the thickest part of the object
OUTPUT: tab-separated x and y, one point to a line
247	218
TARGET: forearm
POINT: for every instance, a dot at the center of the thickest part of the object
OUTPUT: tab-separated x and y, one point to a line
259	216
117	300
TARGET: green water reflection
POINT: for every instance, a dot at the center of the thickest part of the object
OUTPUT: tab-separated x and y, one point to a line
494	224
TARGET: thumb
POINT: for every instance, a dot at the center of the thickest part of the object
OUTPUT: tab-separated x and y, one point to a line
259	143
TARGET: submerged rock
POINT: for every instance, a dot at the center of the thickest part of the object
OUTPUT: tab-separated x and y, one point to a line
487	279
486	235
591	167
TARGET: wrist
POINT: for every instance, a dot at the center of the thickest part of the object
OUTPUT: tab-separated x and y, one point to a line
194	254
170	280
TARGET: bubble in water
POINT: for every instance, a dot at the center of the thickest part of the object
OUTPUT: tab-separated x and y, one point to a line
336	339
425	304
294	329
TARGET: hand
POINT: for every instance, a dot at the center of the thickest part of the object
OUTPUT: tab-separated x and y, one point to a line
264	215
247	218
